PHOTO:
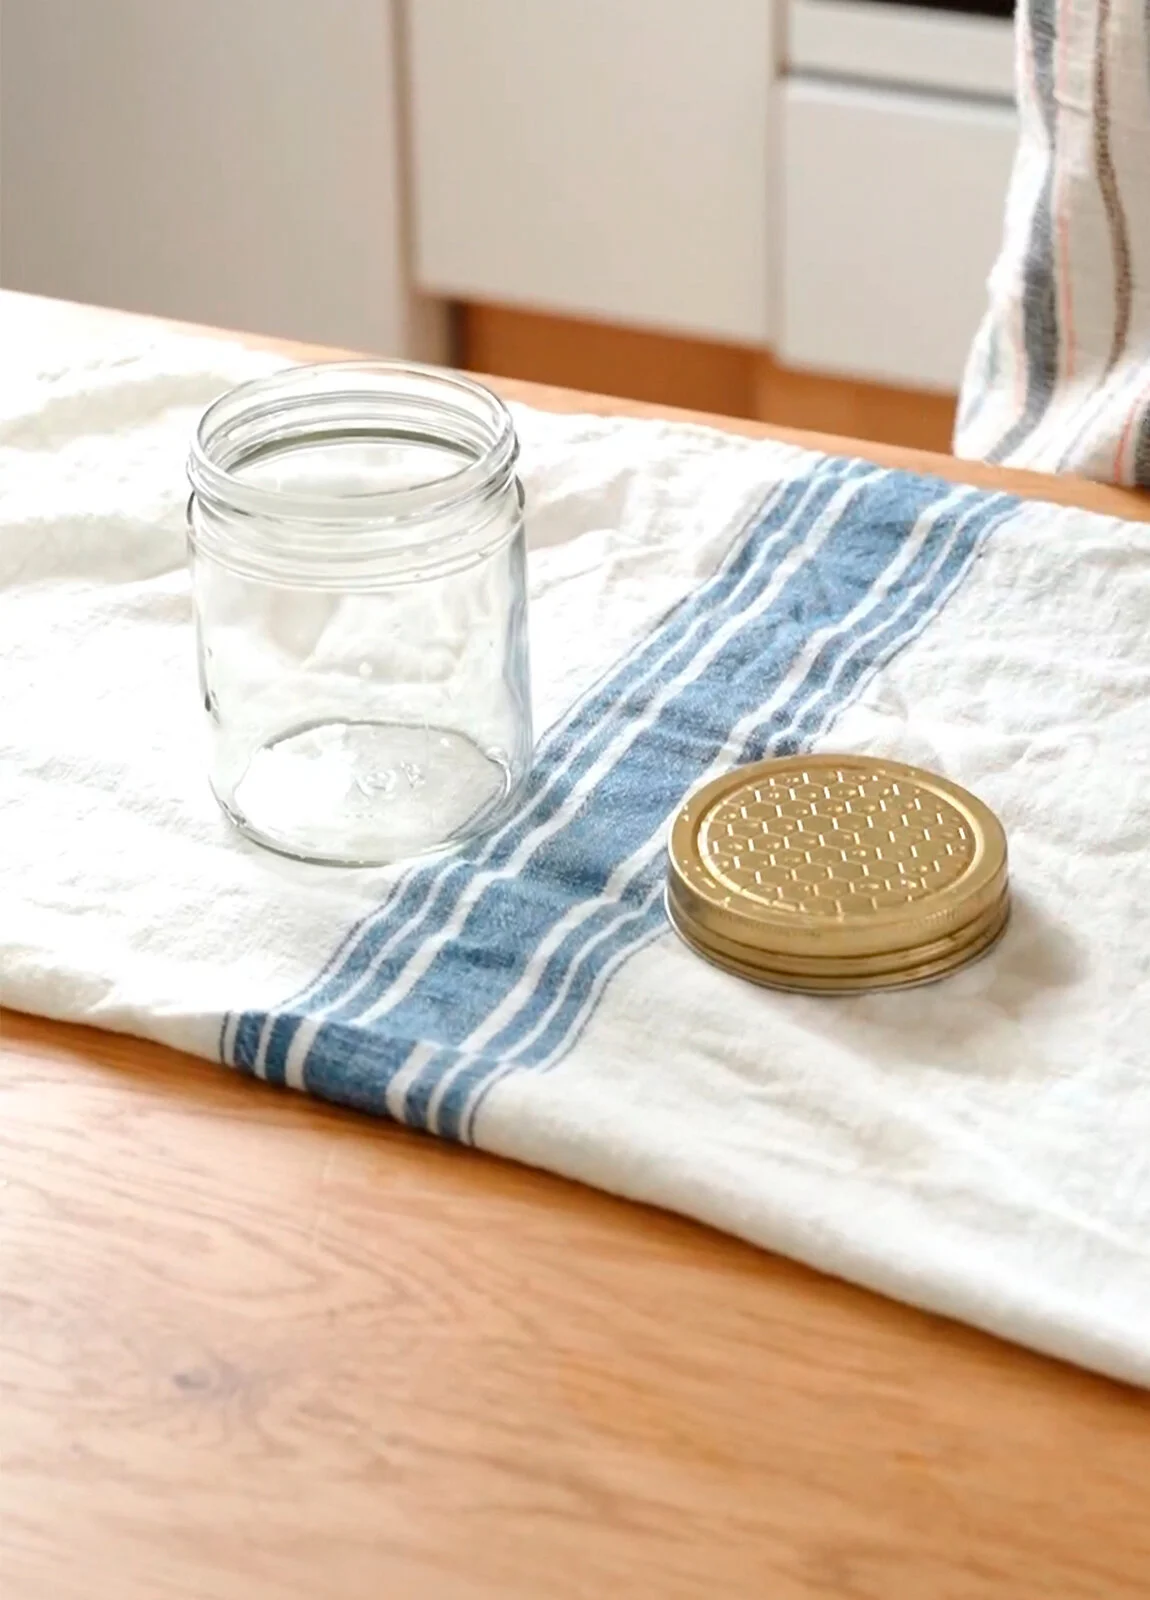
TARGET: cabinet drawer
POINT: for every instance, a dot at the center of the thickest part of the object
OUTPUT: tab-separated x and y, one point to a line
604	158
891	219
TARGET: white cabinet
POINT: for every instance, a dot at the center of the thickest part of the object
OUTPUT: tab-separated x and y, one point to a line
606	158
891	219
868	41
215	161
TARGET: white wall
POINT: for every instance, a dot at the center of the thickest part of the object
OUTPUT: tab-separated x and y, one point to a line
235	162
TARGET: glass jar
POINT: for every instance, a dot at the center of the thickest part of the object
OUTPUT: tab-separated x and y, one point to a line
358	574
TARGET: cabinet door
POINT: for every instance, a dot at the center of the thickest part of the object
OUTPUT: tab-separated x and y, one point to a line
892	218
237	164
606	158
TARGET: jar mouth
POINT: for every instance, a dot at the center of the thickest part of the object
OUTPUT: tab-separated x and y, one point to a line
349	462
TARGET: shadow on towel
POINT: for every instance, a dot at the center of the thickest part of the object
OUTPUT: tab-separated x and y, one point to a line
974	1022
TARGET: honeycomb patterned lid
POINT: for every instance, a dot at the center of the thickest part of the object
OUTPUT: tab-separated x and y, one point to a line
837	867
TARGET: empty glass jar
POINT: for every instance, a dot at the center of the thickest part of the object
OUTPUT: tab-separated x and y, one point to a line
358	572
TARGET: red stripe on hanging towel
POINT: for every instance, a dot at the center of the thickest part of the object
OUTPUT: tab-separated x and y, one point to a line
1136	410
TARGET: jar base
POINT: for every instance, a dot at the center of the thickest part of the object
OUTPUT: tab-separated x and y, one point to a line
365	794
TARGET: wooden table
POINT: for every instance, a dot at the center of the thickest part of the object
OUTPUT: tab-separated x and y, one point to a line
253	1348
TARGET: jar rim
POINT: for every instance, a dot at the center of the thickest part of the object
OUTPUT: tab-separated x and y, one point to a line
470	418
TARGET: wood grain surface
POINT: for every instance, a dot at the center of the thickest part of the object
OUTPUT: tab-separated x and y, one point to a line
253	1348
731	380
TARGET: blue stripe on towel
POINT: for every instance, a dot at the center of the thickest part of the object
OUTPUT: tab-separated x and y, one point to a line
565	996
447	1082
492	960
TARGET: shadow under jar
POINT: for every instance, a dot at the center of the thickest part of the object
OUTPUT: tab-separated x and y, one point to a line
358	572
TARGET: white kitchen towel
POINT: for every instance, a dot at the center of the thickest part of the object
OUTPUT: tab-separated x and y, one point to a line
981	1147
1059	374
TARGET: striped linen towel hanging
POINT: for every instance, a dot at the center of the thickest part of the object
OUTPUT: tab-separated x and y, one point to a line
1059	375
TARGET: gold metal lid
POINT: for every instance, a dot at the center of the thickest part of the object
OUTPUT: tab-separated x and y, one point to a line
837	872
873	978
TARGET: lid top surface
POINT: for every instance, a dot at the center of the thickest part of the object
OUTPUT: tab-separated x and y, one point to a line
828	845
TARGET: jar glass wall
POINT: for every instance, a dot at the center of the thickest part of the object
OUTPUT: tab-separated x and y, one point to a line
358	573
